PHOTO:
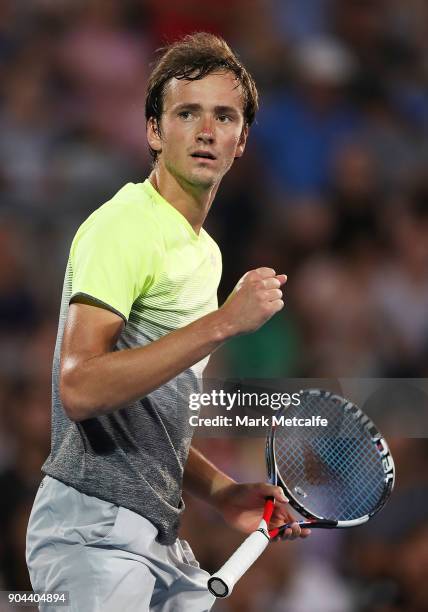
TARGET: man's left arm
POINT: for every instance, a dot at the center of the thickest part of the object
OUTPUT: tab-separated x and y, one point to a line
241	505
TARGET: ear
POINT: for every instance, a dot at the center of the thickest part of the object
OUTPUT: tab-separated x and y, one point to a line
242	142
153	134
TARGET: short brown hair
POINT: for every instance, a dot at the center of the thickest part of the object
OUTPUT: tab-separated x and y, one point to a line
192	58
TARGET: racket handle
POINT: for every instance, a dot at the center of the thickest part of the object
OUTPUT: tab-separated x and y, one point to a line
222	582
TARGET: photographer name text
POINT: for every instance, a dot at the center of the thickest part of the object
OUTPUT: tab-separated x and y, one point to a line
262	421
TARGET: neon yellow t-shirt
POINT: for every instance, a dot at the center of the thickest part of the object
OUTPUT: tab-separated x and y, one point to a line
139	257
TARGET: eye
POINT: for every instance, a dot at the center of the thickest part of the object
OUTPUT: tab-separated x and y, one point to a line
185	114
224	118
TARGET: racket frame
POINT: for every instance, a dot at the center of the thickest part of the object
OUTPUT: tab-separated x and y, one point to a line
222	582
377	440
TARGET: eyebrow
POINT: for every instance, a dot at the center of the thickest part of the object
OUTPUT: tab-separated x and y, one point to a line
219	110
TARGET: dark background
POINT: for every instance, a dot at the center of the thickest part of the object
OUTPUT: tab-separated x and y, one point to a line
333	191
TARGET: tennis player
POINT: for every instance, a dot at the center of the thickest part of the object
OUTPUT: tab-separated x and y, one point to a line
138	320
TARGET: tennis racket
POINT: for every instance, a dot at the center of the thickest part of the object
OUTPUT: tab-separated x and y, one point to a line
337	476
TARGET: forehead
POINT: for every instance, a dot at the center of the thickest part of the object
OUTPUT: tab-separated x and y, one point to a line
215	89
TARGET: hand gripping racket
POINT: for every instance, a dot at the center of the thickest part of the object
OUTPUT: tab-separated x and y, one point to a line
335	476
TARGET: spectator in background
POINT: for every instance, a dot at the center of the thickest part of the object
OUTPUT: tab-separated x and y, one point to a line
300	20
106	64
19	308
27	420
7	42
326	290
356	205
400	287
170	21
29	130
303	127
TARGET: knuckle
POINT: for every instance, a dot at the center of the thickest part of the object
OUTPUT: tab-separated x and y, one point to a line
266	271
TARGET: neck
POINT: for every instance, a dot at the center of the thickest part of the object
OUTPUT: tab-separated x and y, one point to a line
191	201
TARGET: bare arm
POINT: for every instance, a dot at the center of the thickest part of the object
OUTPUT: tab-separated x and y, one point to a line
241	505
94	380
203	479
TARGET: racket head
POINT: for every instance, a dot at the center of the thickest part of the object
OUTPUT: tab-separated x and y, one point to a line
343	474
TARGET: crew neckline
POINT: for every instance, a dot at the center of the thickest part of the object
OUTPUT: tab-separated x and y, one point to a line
155	195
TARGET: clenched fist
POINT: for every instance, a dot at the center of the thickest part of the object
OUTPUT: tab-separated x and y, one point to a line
255	299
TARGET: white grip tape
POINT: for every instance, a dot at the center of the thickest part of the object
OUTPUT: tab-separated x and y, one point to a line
222	582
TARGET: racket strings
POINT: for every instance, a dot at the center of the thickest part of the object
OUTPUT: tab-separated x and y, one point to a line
342	494
334	472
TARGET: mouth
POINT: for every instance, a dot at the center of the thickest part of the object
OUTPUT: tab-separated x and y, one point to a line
203	155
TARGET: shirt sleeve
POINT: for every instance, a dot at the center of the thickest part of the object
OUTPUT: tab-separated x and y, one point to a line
111	263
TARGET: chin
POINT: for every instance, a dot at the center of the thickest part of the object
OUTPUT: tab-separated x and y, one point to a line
203	179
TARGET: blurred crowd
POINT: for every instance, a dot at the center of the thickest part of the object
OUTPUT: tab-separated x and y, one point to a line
332	190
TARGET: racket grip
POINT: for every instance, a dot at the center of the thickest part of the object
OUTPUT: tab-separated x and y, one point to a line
222	582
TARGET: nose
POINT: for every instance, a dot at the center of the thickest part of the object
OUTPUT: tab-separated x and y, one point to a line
205	132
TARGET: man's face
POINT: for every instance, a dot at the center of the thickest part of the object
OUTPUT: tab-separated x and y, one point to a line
201	129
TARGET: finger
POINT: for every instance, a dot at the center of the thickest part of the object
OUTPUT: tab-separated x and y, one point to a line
277	305
292	532
282	278
296	530
282	515
266	272
273	294
279	495
267	490
271	283
287	534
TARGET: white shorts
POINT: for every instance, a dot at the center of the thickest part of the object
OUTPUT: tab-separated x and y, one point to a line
107	557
